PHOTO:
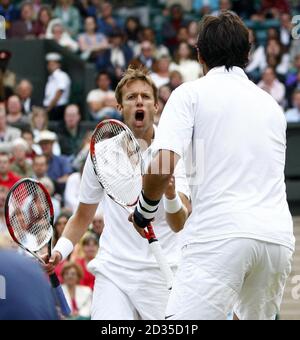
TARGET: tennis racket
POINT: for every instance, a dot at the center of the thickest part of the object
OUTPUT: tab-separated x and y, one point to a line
118	165
29	218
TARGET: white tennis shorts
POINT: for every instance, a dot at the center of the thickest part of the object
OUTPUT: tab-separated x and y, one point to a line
132	295
243	275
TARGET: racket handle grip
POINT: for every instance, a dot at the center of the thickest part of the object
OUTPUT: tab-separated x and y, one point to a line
162	262
60	296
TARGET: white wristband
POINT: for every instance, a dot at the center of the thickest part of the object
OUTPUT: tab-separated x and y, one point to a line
174	205
64	246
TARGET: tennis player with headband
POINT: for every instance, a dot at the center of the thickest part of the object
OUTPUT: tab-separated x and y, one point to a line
238	242
129	284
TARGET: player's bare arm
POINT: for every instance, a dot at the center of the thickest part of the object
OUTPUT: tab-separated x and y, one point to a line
177	207
75	229
157	179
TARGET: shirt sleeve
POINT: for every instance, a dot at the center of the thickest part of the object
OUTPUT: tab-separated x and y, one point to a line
91	191
181	181
176	125
62	81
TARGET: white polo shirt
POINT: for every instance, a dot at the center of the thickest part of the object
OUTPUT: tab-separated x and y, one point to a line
58	80
237	134
120	244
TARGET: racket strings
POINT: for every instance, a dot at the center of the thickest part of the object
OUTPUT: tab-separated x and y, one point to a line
29	215
118	163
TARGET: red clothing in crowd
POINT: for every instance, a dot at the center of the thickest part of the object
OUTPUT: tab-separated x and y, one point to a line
88	279
281	5
12	179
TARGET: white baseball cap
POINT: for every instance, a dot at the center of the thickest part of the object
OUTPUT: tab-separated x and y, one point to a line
53	57
47	136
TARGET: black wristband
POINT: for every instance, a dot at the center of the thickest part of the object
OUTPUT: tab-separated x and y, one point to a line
140	220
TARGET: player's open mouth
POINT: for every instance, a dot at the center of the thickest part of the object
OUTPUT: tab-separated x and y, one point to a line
139	118
139	115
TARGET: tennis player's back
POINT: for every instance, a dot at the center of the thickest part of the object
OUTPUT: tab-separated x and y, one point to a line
242	130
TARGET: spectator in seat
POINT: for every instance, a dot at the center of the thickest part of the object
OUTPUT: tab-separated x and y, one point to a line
148	34
146	58
24	28
272	85
63	38
9	11
79	297
24	91
257	58
116	59
89	247
70	134
97	225
91	43
286	27
49	185
293	80
59	167
176	80
15	116
69	15
171	27
109	109
7	133
277	58
20	165
190	69
7	177
293	115
39	123
60	224
28	136
43	19
95	97
40	167
161	74
133	31
107	23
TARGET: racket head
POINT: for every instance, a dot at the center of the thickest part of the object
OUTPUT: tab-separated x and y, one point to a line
117	161
29	214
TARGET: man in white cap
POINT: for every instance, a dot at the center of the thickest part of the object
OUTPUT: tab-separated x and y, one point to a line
57	89
59	167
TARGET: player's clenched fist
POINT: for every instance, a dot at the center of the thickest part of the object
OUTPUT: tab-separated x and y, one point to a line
52	262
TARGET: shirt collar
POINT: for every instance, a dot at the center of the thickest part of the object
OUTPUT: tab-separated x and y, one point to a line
237	71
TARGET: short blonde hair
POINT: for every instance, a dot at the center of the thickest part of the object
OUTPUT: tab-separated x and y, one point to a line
132	74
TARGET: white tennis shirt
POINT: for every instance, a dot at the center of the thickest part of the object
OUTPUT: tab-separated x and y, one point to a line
238	132
121	247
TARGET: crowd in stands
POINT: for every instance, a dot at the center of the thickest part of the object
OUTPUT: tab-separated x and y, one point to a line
46	140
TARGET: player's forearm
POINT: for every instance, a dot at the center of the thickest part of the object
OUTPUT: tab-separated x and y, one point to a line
182	205
176	221
79	222
155	186
159	174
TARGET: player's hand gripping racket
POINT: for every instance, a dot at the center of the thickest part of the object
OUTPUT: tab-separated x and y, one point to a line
29	218
118	165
